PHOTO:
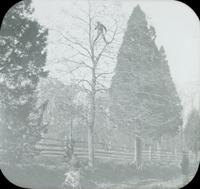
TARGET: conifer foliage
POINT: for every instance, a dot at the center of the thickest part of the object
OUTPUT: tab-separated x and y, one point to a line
144	98
22	60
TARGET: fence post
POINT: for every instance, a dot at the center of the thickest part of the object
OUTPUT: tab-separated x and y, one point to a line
158	151
149	153
152	153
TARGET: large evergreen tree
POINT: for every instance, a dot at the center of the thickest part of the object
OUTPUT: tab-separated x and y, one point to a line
22	60
144	99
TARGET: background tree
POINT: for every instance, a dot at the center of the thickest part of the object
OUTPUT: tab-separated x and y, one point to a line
22	61
144	99
65	113
192	132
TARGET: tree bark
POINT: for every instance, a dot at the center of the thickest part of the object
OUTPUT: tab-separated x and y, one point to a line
91	135
158	150
138	150
90	147
92	114
71	130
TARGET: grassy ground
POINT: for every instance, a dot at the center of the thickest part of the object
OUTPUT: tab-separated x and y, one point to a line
107	175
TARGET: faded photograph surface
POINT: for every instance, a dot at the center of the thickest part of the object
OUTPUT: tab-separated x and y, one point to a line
99	94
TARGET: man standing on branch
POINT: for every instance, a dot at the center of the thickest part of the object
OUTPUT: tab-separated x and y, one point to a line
101	31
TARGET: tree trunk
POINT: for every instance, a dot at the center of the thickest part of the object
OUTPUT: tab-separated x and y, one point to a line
71	130
158	150
91	132
138	150
90	147
150	153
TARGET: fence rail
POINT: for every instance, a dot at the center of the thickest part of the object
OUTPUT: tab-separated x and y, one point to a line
49	147
104	151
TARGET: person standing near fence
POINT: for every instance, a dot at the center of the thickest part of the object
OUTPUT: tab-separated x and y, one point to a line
72	175
69	149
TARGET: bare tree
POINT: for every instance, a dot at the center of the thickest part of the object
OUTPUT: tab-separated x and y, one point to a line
91	54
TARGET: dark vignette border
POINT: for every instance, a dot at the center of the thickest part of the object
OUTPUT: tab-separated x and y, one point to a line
5	6
192	4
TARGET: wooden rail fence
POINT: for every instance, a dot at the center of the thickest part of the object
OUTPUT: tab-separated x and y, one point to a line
49	147
55	148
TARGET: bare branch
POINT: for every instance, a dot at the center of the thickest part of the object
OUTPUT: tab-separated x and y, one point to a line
78	51
101	89
84	80
84	89
78	44
107	56
90	37
102	74
80	63
79	18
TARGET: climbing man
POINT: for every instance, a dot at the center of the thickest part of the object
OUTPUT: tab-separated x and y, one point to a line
101	31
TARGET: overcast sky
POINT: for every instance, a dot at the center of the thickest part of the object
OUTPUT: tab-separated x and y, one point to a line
177	28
